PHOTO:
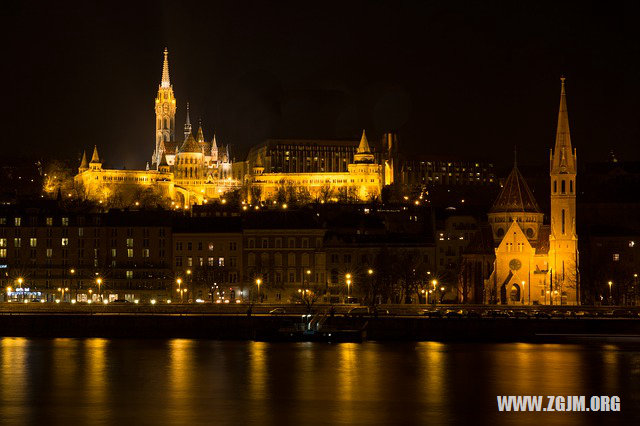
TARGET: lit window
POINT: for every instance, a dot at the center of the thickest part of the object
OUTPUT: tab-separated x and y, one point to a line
3	253
65	242
17	221
129	275
129	252
49	221
49	252
221	261
210	261
632	244
616	257
3	242
145	252
65	221
113	252
33	242
129	242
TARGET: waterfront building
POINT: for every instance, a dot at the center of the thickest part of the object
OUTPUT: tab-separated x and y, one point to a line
46	251
284	250
207	259
533	263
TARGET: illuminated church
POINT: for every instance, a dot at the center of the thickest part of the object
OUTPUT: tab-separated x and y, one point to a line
195	170
518	260
187	172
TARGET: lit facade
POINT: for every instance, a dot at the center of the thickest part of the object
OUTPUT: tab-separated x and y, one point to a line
186	173
533	263
322	170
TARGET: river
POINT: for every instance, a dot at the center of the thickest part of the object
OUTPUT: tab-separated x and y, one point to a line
187	382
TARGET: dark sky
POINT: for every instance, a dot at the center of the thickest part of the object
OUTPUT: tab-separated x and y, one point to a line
464	78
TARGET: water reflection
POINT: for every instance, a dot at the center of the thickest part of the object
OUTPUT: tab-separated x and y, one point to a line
68	381
13	379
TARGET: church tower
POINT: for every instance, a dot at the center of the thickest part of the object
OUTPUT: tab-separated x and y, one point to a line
165	113
563	238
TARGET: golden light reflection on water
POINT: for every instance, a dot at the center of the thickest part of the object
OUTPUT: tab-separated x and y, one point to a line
95	365
13	377
431	371
181	376
258	370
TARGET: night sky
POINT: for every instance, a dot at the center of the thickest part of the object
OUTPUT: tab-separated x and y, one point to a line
462	78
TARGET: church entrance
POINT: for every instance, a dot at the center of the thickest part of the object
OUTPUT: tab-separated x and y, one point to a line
515	293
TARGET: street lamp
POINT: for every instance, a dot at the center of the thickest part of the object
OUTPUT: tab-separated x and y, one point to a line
258	282
610	297
348	277
62	290
99	282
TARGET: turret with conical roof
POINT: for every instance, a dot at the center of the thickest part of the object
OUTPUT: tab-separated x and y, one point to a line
84	164
95	162
363	154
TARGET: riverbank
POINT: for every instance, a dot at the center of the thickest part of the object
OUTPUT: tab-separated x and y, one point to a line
266	327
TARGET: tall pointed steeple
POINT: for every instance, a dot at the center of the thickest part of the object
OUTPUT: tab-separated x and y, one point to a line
563	238
200	136
166	83
187	125
363	154
214	149
165	109
562	156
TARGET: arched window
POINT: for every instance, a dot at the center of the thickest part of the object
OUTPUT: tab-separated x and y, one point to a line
562	221
555	186
515	293
165	123
571	186
563	188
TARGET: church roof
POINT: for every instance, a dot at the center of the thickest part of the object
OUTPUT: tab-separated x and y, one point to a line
163	161
515	196
190	145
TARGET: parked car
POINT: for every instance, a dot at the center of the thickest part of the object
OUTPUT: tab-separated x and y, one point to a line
501	313
277	311
432	313
454	313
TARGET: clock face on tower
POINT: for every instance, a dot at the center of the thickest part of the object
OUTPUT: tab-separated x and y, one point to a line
515	264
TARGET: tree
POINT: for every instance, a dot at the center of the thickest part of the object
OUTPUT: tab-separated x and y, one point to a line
308	296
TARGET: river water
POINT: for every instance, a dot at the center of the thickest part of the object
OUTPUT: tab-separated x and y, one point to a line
186	382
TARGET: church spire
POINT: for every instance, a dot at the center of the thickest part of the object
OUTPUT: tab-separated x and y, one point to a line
165	70
187	125
563	157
